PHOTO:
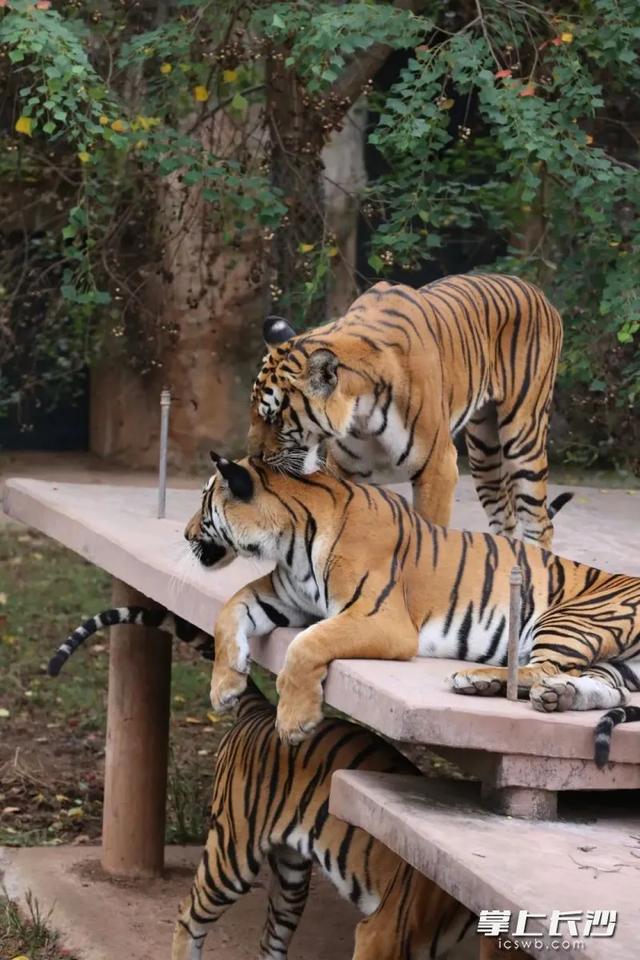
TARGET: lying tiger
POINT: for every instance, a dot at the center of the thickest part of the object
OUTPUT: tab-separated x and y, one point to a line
386	386
368	577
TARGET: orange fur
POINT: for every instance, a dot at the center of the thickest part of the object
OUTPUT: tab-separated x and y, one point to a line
367	577
385	387
270	804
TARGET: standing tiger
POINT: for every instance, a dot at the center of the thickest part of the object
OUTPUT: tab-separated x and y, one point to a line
386	386
376	580
271	803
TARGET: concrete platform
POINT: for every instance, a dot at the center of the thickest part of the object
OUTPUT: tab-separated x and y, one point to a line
102	918
492	863
115	528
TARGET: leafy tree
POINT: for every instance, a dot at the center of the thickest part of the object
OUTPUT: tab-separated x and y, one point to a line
509	134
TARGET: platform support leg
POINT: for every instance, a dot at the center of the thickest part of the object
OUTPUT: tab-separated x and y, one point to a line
531	804
135	787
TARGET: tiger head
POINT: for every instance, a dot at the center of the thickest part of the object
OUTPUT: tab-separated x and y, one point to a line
234	518
300	399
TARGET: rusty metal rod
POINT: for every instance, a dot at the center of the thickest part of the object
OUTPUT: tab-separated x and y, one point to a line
515	607
165	404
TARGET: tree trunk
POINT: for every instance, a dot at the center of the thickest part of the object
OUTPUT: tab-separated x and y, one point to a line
211	295
345	176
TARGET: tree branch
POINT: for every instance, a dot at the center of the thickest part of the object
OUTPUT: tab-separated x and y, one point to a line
364	65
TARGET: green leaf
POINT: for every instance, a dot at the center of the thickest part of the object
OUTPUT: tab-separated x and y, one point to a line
239	103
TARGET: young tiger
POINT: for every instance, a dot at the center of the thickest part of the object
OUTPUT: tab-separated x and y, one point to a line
376	580
271	804
386	386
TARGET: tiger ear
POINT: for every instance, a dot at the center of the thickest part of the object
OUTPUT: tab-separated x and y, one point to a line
277	330
236	477
322	372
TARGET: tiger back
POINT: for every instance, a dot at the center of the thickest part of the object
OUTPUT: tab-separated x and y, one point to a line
271	804
385	387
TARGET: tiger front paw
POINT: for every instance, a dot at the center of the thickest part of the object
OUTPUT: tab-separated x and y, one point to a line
226	687
483	682
299	708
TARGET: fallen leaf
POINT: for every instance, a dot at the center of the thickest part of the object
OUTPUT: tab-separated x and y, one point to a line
194	721
60	797
3	599
75	813
178	698
7	811
203	753
214	717
4	713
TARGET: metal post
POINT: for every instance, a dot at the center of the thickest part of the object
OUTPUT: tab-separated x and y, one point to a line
165	403
515	606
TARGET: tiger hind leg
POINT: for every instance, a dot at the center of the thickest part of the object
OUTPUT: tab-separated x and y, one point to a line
288	891
415	918
217	885
603	686
523	440
491	481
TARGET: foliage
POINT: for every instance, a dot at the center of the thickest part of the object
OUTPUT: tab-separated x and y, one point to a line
507	139
520	124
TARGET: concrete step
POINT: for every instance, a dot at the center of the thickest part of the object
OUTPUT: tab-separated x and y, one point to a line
491	862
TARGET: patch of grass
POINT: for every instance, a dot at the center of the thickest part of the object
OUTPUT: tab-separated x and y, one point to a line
28	932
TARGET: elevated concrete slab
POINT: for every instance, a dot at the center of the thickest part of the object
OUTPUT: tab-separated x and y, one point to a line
115	528
495	863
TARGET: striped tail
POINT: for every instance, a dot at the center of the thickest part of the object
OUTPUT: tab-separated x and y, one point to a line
158	617
560	501
604	730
